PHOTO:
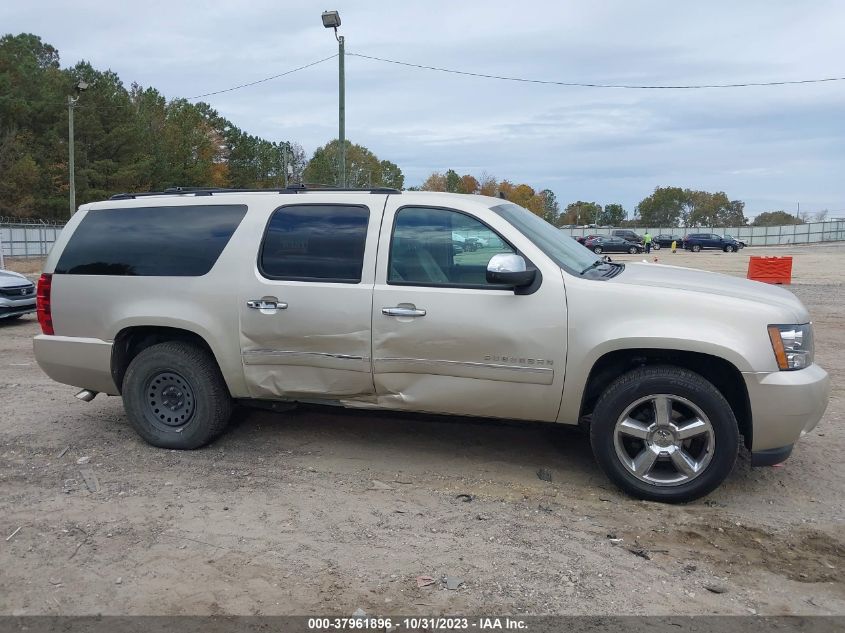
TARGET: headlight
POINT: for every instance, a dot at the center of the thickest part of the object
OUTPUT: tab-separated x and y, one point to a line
793	345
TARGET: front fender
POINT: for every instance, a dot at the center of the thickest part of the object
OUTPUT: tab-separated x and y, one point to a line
605	317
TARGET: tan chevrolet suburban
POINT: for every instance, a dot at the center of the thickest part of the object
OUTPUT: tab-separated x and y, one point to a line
185	302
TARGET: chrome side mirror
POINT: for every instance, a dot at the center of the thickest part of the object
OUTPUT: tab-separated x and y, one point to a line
509	270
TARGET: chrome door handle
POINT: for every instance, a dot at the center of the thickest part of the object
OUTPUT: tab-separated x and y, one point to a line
399	311
261	304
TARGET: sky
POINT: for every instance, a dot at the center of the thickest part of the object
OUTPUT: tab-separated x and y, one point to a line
773	147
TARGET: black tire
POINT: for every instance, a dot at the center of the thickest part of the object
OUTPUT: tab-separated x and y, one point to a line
664	379
597	250
633	250
200	399
695	248
655	246
729	248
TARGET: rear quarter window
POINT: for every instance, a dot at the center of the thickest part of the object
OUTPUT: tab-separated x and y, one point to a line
180	241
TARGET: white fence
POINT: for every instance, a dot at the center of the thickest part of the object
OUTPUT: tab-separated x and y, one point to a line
35	239
812	232
27	239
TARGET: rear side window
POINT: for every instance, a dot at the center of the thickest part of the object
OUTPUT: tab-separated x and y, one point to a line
315	242
183	241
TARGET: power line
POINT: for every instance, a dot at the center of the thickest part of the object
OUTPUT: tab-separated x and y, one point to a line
261	81
597	85
217	92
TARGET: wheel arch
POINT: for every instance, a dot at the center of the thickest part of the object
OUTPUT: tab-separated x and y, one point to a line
132	340
722	373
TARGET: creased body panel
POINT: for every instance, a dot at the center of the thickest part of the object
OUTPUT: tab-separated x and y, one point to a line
438	394
318	345
322	360
458	369
469	350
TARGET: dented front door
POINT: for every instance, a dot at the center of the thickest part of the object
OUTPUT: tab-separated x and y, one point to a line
444	341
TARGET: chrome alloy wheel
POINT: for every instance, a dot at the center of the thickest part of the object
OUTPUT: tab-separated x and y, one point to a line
664	440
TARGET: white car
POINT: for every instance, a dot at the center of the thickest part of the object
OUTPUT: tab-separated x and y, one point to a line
17	295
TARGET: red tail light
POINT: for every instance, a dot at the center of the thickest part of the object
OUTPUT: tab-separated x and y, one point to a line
42	303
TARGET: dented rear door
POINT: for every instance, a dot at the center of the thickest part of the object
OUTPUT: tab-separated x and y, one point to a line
305	323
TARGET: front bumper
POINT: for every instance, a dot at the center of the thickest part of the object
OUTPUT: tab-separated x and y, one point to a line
785	405
14	307
81	362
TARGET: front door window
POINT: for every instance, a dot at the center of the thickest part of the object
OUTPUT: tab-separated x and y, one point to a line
439	247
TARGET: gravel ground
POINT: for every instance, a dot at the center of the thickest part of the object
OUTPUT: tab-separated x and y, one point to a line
322	511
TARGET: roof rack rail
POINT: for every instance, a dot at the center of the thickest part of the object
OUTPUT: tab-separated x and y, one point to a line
210	191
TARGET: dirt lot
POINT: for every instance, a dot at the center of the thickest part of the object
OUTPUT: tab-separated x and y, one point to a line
324	511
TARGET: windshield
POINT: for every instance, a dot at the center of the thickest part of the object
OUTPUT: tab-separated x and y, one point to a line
560	247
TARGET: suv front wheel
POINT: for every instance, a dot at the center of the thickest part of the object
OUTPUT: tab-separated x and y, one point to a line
175	396
664	433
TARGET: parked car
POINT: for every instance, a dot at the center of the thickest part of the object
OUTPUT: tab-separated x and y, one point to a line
17	295
582	239
474	243
184	304
611	244
740	242
627	234
699	241
665	240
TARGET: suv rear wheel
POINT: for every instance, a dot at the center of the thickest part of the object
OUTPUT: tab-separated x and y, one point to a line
175	396
695	248
664	433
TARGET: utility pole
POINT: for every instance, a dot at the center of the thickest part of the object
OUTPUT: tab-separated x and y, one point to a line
285	162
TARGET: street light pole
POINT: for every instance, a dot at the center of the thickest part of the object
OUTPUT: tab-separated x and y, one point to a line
71	103
341	110
331	20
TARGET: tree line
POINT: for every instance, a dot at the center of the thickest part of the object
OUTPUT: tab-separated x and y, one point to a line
135	140
666	206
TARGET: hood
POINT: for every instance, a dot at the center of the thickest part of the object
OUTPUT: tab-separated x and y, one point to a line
700	281
9	278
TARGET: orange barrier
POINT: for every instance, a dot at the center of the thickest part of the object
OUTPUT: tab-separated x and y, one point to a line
771	270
